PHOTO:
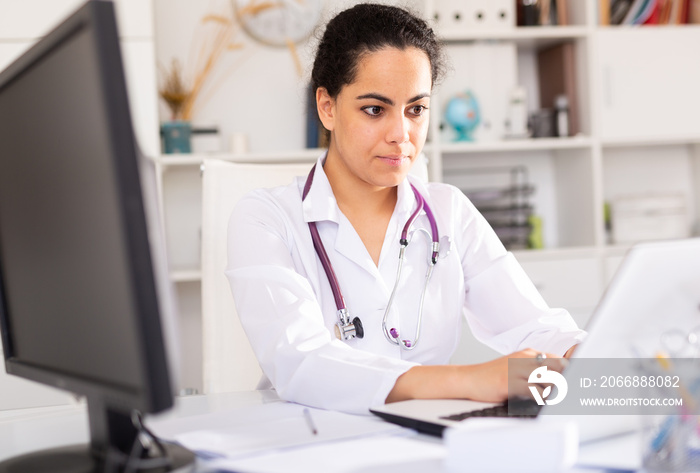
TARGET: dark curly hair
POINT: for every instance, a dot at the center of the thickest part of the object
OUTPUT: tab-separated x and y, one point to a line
367	28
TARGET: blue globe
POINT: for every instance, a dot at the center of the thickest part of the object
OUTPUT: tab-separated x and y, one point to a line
463	115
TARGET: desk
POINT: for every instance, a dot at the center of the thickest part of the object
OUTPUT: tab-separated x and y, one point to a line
25	430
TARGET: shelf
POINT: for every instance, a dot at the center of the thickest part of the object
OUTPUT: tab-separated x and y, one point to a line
600	28
616	249
186	275
550	254
650	141
534	144
533	36
299	156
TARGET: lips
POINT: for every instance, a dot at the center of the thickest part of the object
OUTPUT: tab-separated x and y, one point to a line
394	159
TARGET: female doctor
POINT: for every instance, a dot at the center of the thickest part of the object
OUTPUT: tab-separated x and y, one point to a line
336	319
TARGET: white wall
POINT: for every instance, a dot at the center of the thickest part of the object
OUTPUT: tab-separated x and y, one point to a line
260	93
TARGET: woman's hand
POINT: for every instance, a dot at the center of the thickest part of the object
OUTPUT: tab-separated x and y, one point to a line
570	351
487	382
493	381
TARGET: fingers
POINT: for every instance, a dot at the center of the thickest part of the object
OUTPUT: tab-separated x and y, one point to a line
539	358
499	379
529	360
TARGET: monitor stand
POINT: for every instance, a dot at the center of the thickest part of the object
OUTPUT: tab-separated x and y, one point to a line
112	435
79	459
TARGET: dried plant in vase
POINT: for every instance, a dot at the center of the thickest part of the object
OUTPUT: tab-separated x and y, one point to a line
181	91
185	88
173	90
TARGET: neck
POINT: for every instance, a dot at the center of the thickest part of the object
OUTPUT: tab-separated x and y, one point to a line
354	195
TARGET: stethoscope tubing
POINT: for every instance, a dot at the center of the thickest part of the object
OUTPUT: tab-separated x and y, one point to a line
392	334
321	251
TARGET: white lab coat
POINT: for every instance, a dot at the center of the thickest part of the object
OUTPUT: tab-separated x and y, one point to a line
287	309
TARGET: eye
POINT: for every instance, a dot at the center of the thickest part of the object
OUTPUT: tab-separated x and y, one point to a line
372	110
417	110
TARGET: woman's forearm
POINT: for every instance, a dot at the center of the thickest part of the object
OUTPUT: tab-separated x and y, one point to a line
486	382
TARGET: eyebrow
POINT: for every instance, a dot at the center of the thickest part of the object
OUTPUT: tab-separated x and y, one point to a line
387	100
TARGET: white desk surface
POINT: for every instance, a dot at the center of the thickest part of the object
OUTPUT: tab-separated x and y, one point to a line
26	430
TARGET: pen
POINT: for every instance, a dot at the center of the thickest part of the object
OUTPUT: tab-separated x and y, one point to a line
310	421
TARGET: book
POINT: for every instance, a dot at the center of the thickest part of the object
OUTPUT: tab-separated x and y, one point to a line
634	12
694	12
604	12
683	17
562	12
545	13
675	13
619	9
648	13
556	66
665	11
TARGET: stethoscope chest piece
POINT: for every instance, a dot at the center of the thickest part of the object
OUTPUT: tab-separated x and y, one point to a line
347	330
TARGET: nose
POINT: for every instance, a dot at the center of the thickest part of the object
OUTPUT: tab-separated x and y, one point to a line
398	129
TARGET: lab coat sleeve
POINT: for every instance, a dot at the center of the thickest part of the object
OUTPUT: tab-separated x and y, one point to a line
503	308
282	318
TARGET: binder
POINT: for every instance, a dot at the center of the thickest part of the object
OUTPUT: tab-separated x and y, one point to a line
474	14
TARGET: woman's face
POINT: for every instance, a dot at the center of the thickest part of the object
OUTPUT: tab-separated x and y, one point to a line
379	122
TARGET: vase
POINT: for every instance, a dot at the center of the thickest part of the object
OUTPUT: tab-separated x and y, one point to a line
177	137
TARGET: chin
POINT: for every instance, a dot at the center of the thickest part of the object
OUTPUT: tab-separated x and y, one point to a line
393	179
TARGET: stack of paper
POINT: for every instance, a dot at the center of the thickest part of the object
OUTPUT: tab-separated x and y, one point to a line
280	425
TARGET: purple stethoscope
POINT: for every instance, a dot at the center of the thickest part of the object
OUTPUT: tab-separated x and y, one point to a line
347	329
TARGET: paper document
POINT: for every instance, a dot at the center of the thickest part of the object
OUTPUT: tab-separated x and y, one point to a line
399	452
242	432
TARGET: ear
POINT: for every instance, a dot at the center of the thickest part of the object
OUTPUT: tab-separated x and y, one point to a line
325	105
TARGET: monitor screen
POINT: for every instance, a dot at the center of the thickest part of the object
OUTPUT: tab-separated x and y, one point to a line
65	252
80	304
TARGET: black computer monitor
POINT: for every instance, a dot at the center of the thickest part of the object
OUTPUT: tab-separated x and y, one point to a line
83	304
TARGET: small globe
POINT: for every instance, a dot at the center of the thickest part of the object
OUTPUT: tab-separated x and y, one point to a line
463	115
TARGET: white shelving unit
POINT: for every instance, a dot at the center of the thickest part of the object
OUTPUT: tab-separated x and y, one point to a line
656	149
639	114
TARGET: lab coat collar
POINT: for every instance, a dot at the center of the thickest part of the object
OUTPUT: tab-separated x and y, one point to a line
320	203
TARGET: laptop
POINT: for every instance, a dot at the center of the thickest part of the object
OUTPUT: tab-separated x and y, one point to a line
656	288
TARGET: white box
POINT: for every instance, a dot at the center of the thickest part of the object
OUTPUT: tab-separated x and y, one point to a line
453	15
494	445
649	217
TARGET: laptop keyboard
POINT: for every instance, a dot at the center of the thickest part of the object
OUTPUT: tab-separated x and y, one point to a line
524	409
